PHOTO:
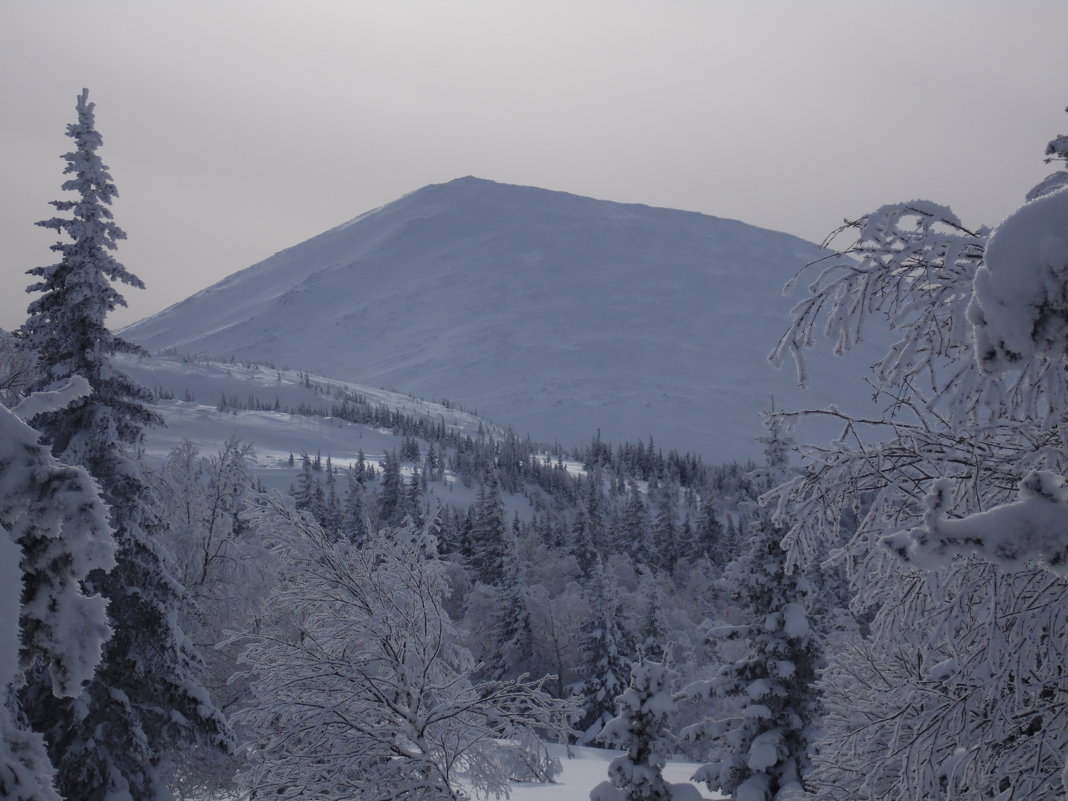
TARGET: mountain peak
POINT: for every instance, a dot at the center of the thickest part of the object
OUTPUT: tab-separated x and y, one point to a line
557	314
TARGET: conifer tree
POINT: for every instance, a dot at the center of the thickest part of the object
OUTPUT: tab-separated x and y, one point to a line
711	537
488	548
665	529
641	730
760	751
514	636
636	535
146	700
53	533
582	546
607	653
391	498
652	629
354	518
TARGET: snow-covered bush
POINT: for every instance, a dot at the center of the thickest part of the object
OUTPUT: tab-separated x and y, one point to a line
364	690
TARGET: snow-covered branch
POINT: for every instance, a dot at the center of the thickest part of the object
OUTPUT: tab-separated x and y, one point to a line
1031	529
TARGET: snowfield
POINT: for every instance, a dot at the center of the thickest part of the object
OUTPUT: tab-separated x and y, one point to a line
588	767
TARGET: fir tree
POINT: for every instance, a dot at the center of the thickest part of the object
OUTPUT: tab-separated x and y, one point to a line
760	752
711	538
354	517
606	652
53	533
514	636
665	529
146	700
641	730
391	498
489	554
635	536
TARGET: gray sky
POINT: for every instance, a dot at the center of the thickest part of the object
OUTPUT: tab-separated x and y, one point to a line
236	129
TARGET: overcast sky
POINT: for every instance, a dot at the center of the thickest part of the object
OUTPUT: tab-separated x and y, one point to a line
236	129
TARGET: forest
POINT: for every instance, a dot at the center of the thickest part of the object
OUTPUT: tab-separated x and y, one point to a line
877	617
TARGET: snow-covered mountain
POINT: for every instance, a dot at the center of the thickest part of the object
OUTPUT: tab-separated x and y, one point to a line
555	314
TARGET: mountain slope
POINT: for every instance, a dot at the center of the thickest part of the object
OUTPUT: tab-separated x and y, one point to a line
556	314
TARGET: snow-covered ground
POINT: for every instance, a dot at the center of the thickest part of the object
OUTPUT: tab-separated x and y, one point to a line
193	414
588	767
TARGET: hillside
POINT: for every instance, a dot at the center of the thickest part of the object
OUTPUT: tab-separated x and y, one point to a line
555	314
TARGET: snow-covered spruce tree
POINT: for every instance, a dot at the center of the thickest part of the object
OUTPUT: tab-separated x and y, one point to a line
145	700
960	689
513	649
364	691
55	534
489	550
641	730
606	655
760	752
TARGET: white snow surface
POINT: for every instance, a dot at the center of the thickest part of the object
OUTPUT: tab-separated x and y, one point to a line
555	314
586	768
1020	303
276	435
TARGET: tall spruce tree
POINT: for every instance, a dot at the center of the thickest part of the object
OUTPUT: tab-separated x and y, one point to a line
760	752
146	701
607	652
489	549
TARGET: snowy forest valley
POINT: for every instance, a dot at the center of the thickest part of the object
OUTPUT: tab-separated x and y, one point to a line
235	568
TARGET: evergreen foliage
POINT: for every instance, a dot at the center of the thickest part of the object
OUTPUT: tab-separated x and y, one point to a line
146	700
55	533
641	730
760	752
607	652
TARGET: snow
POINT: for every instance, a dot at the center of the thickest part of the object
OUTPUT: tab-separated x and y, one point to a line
766	750
585	768
554	314
276	435
40	402
1031	529
795	620
1019	308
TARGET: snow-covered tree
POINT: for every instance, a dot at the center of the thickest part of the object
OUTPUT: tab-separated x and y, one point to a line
226	569
641	730
760	751
488	539
513	649
606	655
962	678
145	701
55	534
364	689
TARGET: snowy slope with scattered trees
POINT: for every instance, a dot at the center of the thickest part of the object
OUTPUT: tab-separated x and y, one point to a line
554	314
